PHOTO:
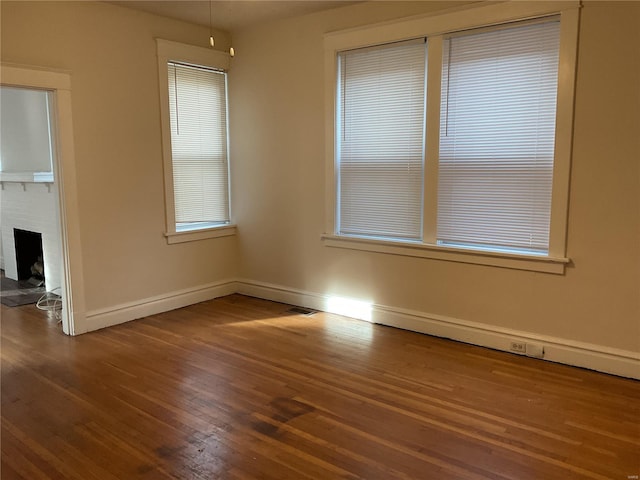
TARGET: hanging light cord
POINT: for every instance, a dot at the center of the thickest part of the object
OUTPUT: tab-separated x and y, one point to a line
212	41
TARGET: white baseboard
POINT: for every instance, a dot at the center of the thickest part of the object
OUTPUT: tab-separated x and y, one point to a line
595	357
125	312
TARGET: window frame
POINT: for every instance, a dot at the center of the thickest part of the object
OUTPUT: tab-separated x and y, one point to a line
435	27
169	51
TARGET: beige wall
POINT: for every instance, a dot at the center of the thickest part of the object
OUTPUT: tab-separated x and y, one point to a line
278	166
111	54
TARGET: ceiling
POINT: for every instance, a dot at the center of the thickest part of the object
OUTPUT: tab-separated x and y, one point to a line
231	15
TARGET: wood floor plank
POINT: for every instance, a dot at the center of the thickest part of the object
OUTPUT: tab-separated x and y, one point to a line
240	388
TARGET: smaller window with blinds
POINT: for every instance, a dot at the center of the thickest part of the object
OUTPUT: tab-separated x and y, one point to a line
198	119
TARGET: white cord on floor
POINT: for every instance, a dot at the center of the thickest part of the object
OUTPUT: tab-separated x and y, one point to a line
51	302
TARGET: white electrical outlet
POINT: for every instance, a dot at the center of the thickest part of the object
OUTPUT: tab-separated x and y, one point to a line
534	350
518	347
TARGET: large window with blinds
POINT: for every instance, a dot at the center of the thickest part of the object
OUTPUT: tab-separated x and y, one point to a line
450	140
497	132
380	118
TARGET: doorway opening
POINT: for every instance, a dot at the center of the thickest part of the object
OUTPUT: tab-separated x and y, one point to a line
40	237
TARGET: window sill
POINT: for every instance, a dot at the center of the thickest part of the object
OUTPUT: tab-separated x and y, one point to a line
200	234
451	254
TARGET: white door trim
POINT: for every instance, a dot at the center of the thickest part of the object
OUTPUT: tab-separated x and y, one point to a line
59	82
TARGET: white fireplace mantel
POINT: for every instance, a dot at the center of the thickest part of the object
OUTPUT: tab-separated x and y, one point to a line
24	178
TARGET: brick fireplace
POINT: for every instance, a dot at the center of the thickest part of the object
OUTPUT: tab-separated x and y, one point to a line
31	206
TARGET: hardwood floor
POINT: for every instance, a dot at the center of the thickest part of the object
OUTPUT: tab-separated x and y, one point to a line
237	388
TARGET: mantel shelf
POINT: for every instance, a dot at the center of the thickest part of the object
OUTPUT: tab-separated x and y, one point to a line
26	177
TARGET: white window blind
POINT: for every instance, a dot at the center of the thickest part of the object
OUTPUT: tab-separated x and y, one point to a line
25	129
198	115
380	118
497	135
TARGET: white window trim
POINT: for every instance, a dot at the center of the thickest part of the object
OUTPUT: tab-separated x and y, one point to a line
537	263
206	57
201	234
435	25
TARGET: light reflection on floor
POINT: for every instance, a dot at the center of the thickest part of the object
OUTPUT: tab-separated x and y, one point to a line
347	307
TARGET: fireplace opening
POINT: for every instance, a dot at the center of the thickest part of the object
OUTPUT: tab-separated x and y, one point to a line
29	257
